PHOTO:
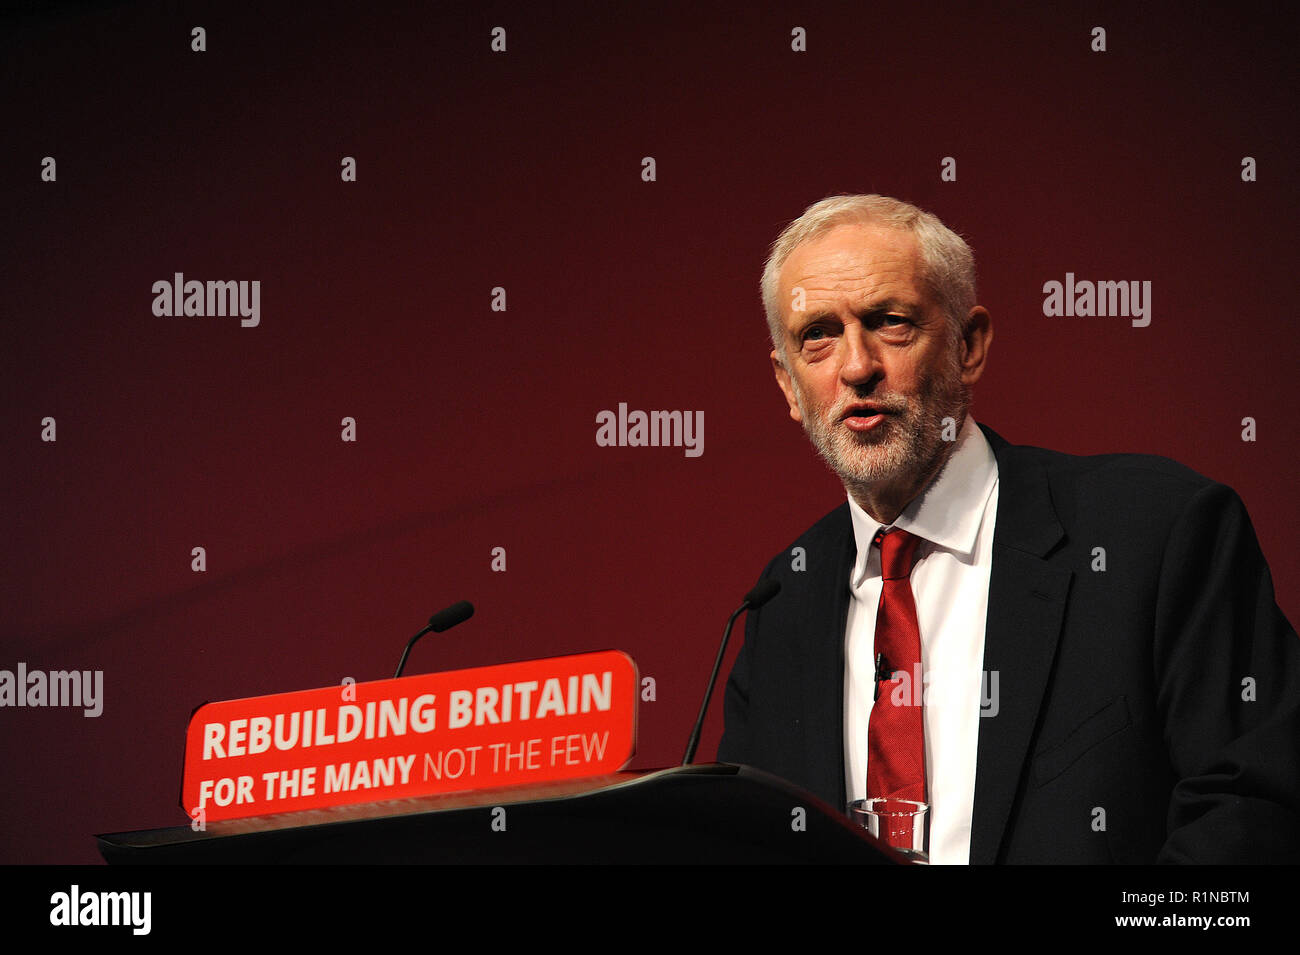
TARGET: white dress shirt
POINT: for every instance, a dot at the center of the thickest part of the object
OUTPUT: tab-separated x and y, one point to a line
954	518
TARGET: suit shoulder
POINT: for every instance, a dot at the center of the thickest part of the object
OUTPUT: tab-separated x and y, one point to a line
1145	475
1139	493
822	541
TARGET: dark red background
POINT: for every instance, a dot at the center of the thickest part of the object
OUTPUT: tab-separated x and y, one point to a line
476	428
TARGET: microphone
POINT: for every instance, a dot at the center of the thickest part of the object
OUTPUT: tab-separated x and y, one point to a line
763	591
440	621
884	673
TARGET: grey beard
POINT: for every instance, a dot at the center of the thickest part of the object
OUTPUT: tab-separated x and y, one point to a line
909	443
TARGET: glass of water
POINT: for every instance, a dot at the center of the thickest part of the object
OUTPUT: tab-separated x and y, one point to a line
903	824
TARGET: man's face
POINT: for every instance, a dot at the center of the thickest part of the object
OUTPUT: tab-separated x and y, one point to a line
872	368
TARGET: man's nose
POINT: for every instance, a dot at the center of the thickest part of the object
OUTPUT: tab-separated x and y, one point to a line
860	360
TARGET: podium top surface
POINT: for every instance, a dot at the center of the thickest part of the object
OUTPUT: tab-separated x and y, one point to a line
714	812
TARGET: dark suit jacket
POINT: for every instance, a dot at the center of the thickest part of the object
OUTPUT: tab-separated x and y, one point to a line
1119	689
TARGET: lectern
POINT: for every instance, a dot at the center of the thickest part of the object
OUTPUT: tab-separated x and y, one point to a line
711	813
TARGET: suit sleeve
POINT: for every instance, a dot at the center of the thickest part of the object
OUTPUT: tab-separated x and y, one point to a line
1227	670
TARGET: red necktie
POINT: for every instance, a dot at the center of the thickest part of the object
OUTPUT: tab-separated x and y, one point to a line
896	733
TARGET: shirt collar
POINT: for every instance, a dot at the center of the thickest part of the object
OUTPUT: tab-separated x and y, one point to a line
949	510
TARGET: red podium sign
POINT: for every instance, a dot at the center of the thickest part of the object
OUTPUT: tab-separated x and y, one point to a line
535	721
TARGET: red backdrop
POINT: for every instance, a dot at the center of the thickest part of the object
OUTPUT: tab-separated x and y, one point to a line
476	428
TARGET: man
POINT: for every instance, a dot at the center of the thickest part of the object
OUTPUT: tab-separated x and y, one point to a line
1070	659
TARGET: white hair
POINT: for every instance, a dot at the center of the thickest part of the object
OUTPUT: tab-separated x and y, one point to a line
947	264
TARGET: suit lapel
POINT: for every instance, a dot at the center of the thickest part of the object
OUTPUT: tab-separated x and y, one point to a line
1026	609
823	671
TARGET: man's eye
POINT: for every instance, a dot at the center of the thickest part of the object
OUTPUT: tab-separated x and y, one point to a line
814	334
893	320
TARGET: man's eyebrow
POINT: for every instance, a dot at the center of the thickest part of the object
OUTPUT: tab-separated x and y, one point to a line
888	305
875	308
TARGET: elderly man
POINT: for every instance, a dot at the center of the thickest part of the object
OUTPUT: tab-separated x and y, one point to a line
1069	659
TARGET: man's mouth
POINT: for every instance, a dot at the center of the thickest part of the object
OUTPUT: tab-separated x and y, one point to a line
863	417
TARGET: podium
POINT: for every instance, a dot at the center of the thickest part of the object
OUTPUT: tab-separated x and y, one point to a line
710	813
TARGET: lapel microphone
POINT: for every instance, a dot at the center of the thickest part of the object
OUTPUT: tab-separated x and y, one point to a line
884	673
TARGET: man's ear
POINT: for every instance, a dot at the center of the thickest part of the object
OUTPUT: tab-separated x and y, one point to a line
976	340
787	387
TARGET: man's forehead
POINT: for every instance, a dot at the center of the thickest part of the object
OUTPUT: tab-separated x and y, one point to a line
857	260
859	263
